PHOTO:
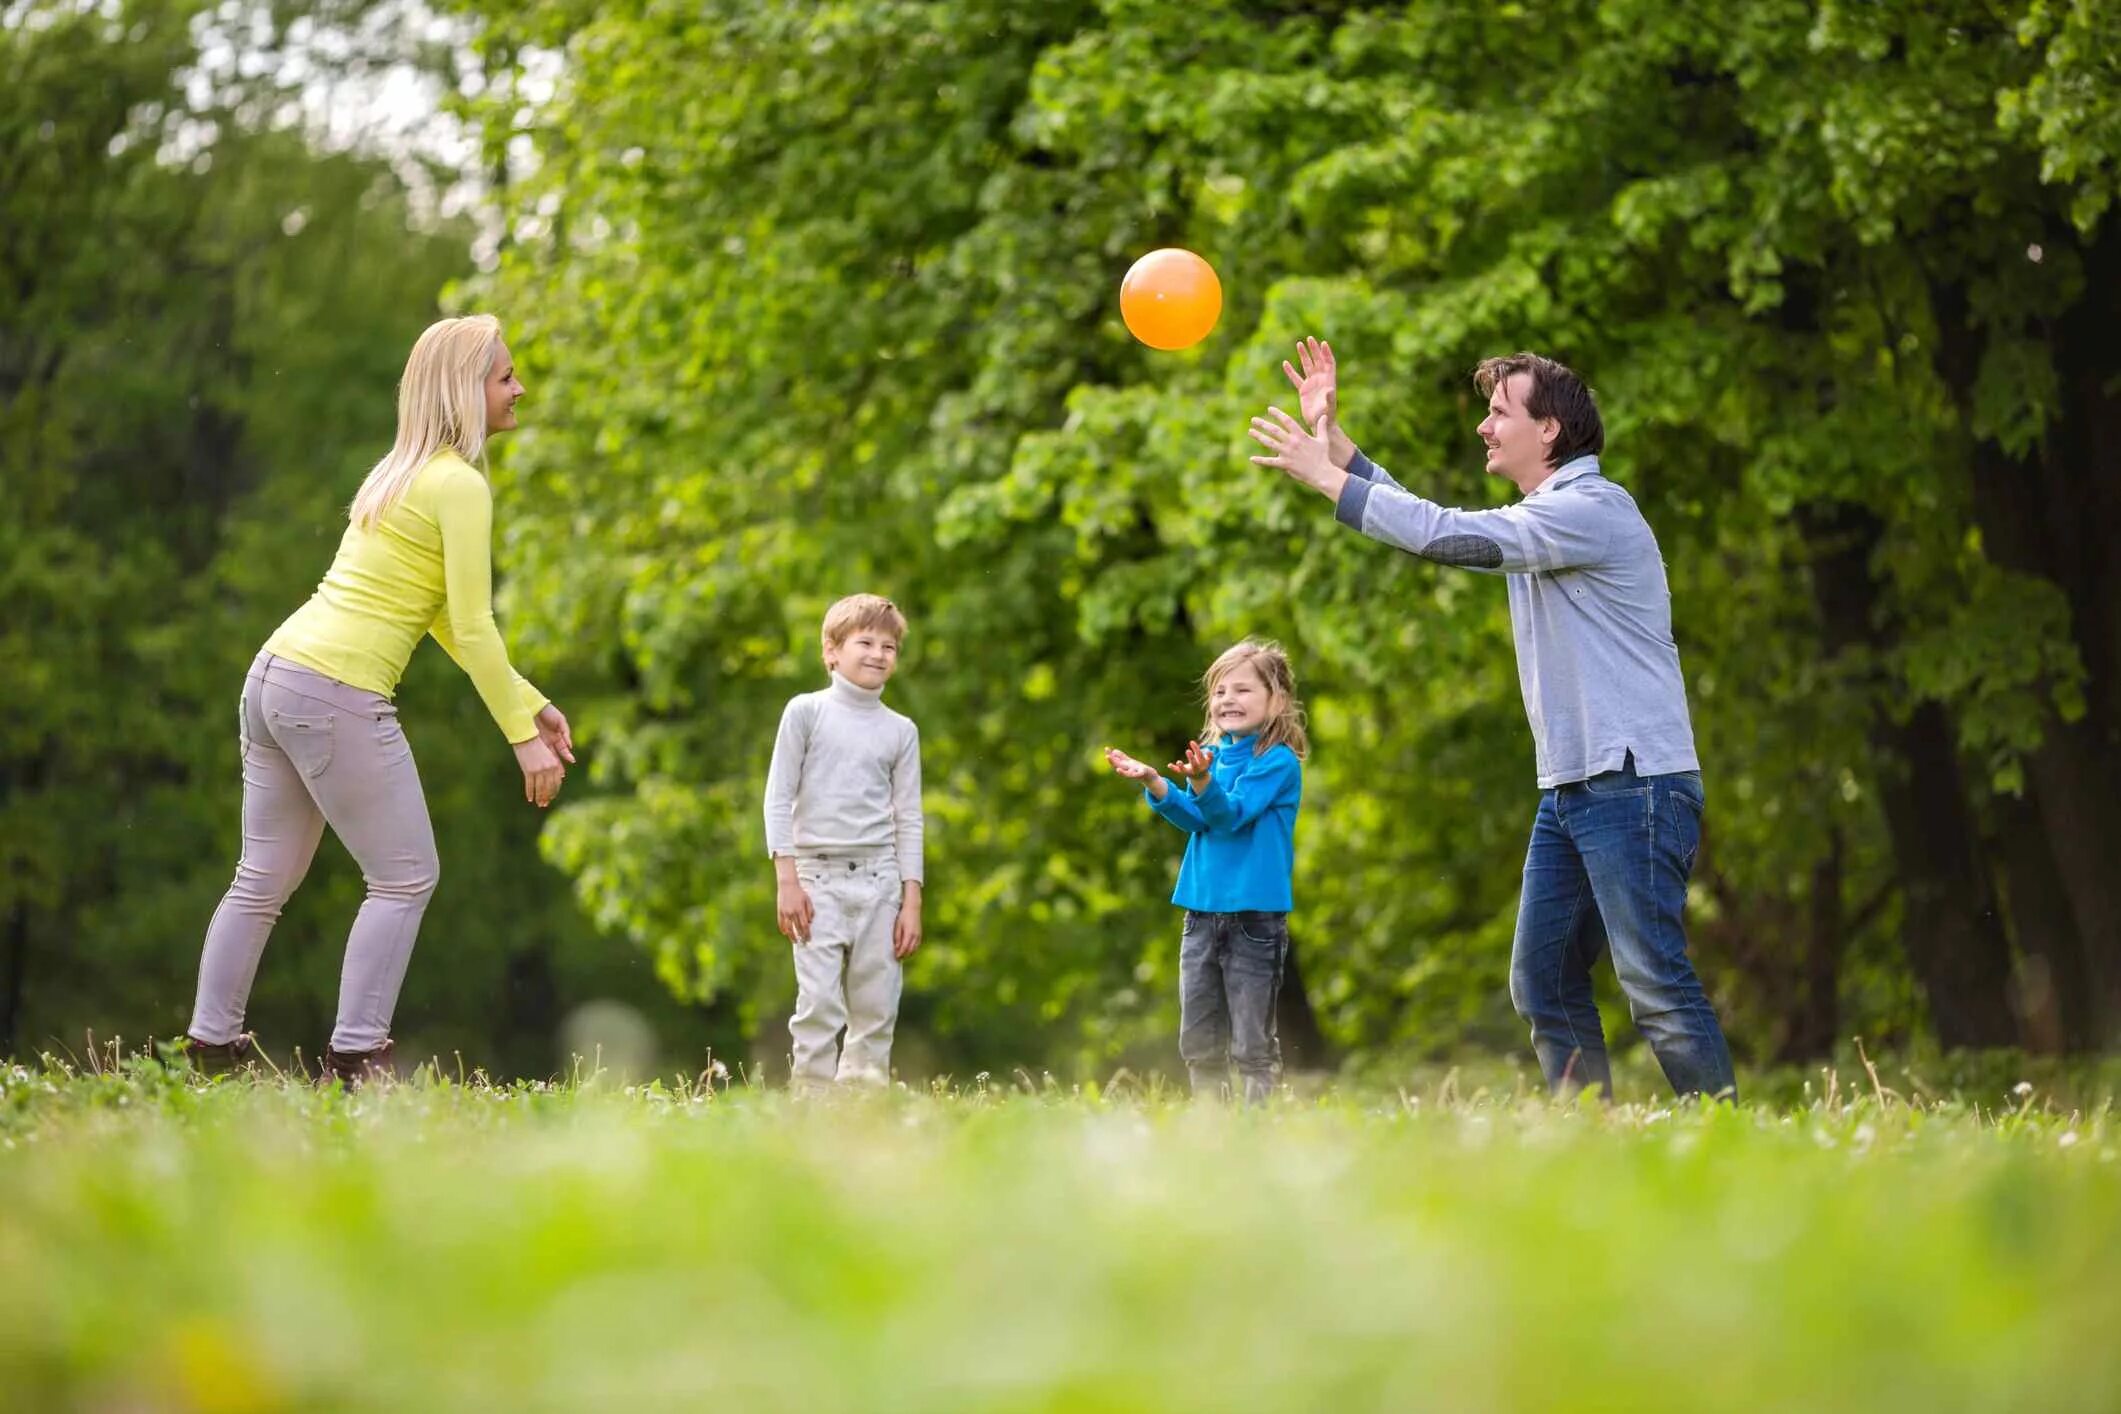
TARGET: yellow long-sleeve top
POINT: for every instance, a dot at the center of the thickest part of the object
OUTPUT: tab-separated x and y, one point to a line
427	567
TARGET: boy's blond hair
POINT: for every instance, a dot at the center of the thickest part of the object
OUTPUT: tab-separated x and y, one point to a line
1285	719
859	613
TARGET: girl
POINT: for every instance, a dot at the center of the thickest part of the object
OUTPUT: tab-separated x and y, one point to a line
1240	822
319	738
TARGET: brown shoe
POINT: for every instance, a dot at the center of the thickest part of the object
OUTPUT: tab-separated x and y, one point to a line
221	1058
356	1067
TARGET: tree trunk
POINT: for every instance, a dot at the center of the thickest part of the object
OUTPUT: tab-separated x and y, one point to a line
1950	928
2079	802
1303	1045
2054	999
2051	513
768	1042
1952	931
529	1019
1815	1021
17	975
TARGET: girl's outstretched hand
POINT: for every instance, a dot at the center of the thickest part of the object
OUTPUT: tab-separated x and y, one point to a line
1193	767
1135	770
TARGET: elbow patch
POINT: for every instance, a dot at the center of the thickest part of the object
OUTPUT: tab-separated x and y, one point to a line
1470	551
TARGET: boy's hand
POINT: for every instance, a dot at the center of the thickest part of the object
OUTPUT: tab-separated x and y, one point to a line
1135	770
1193	767
906	931
792	903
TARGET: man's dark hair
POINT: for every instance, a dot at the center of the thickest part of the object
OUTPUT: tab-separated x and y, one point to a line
1557	393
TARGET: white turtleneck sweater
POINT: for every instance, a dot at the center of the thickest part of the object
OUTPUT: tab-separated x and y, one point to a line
846	778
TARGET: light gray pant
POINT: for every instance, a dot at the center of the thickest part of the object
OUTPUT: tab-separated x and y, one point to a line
846	975
318	752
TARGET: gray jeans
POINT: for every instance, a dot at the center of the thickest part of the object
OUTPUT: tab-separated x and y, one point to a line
318	752
1229	973
846	977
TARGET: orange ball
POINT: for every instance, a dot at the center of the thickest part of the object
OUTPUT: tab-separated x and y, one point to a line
1171	299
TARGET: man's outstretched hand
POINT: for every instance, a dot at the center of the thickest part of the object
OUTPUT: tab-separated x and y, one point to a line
1303	455
1317	387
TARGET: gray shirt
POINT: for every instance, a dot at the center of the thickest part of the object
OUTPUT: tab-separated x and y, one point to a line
846	778
1589	606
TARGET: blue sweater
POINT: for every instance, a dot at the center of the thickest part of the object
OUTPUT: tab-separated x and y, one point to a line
1240	830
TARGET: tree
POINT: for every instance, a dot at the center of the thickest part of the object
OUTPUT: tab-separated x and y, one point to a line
847	277
201	319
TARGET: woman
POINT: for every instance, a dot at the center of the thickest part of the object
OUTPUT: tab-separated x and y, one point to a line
320	739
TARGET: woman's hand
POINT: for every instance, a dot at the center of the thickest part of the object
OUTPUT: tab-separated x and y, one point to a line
555	733
1135	770
542	771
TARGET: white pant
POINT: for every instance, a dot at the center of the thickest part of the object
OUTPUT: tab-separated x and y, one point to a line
846	975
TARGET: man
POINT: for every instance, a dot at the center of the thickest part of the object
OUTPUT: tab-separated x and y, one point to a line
1620	806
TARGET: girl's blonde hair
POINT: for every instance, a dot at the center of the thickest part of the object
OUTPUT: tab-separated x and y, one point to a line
441	406
1285	714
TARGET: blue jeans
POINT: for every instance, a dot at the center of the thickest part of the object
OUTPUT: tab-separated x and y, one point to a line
1229	971
1607	869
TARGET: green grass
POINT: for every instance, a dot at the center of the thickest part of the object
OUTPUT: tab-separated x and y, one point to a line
437	1246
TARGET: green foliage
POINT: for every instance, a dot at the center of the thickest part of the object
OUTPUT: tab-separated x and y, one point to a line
439	1246
844	318
822	298
196	363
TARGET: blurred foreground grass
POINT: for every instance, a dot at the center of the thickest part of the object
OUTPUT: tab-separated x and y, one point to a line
436	1246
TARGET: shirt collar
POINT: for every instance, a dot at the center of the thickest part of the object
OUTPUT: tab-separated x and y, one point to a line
854	694
1586	465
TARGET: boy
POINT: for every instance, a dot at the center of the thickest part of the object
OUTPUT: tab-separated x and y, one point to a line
843	825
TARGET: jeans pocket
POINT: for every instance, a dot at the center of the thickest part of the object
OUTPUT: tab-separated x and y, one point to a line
392	746
1262	938
1682	818
306	740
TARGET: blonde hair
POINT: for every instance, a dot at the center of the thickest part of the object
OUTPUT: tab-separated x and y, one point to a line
441	407
1285	714
859	613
